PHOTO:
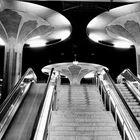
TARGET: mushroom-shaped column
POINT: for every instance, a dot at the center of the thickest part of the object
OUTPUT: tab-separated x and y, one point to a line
74	71
15	29
128	27
119	27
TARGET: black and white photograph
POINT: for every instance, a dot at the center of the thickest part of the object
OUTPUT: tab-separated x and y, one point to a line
69	69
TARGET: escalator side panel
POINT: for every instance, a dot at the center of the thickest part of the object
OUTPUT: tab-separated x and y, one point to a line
22	124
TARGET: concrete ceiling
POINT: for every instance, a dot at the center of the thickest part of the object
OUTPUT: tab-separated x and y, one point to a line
78	46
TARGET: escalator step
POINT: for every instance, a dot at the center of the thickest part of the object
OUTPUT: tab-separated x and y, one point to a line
133	103
131	100
137	107
138	118
137	114
128	97
125	91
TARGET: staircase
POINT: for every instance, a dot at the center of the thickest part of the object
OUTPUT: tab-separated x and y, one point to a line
81	115
131	100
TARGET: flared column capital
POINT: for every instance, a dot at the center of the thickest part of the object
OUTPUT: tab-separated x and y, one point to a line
73	71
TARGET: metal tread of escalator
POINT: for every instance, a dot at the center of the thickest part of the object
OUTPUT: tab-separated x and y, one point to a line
80	114
131	100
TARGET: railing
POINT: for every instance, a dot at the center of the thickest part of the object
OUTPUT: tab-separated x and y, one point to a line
40	130
128	75
131	81
128	79
11	103
109	93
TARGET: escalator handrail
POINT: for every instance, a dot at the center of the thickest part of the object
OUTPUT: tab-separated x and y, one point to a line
130	86
123	100
131	74
41	105
117	106
8	101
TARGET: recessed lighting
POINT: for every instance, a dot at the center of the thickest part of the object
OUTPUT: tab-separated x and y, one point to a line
75	62
36	43
2	42
122	44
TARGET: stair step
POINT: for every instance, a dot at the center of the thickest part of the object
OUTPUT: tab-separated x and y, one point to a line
69	97
83	109
94	120
133	103
80	105
83	124
69	114
79	128
81	115
82	119
84	133
85	138
99	101
80	97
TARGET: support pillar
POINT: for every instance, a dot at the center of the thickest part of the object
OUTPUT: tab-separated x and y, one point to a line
16	27
137	48
74	81
138	63
12	65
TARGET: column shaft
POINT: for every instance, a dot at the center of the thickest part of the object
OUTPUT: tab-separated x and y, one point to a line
12	67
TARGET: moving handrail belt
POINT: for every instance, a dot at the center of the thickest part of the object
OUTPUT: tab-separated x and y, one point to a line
41	105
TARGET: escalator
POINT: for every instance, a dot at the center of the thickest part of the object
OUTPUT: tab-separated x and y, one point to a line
122	101
22	124
131	100
128	88
21	109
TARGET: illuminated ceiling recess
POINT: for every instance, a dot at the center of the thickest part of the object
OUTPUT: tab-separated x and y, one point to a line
62	27
119	27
